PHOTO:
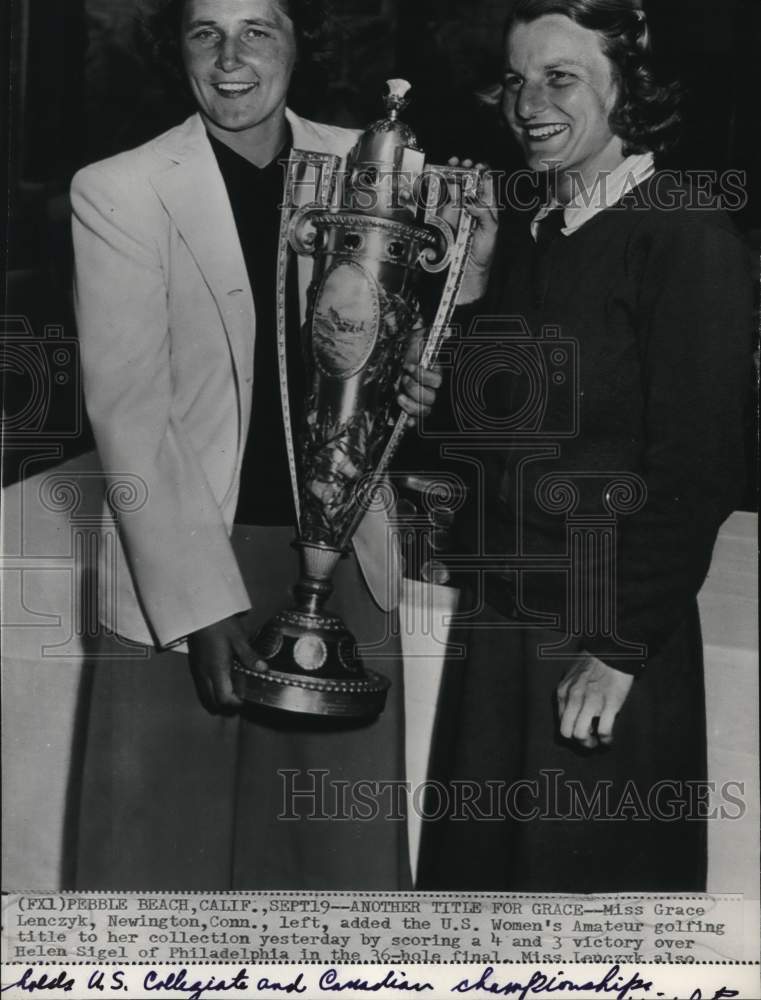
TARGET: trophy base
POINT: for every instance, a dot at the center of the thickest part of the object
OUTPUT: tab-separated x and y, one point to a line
306	663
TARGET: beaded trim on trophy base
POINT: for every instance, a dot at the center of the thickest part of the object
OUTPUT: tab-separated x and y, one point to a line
306	659
361	699
308	664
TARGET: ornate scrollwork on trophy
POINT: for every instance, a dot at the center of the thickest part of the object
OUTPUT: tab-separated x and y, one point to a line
373	233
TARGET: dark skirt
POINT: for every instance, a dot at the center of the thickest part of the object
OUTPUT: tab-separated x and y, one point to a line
175	798
559	818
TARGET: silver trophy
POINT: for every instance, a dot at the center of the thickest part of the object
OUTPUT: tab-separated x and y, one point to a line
374	232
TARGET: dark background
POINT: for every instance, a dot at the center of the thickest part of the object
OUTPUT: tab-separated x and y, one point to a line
79	90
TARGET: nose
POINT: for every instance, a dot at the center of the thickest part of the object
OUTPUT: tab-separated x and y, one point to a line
531	99
228	59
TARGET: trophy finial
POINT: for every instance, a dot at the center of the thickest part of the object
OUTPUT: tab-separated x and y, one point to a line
396	98
391	128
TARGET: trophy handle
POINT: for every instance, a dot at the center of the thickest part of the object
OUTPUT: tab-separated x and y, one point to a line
433	260
463	179
466	179
458	251
295	216
323	168
308	173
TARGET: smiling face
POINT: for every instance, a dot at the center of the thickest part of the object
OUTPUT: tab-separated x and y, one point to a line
239	56
559	92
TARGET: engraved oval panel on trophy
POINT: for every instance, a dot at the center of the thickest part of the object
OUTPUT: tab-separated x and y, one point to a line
345	320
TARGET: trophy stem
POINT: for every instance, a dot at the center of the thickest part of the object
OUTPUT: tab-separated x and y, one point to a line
311	595
306	657
315	585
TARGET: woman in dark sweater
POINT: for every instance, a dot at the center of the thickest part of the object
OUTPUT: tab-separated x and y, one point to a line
614	366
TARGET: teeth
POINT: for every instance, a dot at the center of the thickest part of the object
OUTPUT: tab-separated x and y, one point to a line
545	131
233	88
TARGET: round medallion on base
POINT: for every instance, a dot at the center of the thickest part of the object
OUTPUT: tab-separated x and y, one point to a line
306	663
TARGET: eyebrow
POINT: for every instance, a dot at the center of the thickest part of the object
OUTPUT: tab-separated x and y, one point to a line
211	23
553	65
566	62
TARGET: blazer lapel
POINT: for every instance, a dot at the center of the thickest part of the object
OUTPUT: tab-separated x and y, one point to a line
194	194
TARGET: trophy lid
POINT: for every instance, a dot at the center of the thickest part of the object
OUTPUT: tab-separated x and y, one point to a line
396	100
385	163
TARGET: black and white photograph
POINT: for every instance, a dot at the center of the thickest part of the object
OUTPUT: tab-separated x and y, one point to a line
380	457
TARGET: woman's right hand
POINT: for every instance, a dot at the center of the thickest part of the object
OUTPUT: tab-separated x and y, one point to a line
211	652
482	205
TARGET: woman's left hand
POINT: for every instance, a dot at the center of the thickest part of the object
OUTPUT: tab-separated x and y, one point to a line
591	690
418	385
482	205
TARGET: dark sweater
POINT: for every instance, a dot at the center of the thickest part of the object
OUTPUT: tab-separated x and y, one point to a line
659	304
256	194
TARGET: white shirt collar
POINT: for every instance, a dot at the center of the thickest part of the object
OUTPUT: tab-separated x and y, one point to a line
609	190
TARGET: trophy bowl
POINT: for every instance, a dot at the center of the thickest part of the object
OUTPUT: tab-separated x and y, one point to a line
374	231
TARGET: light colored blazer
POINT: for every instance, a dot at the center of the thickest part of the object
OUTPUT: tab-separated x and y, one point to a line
166	324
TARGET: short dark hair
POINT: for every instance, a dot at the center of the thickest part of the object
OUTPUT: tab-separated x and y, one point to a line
160	23
647	114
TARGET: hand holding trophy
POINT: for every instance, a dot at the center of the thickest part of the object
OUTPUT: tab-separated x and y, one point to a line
374	233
